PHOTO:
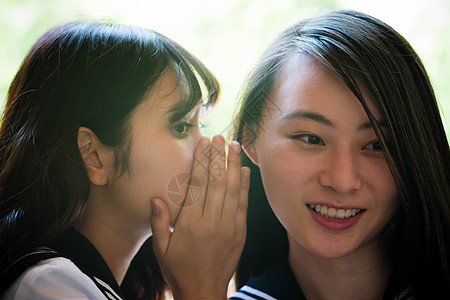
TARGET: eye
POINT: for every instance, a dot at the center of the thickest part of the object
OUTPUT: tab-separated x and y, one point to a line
374	146
182	128
309	139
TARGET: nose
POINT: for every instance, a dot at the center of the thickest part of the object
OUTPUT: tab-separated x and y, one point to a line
341	172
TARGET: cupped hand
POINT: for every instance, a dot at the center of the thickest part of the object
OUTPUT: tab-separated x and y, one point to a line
200	255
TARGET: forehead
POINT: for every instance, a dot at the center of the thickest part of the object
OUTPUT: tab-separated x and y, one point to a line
303	83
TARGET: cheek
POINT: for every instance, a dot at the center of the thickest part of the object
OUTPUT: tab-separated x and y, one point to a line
384	184
381	196
174	175
283	168
274	170
156	170
389	193
162	165
285	175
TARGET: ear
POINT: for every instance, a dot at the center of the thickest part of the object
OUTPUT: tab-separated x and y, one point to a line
248	144
96	156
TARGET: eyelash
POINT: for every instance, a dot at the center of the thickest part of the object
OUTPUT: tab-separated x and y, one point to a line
309	139
186	127
314	140
378	148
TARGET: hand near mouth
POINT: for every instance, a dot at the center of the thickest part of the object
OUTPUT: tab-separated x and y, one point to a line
199	257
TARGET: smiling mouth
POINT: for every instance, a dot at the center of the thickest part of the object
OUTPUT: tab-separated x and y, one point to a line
333	213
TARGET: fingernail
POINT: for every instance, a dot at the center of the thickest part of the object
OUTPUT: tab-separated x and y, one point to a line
155	208
219	138
235	147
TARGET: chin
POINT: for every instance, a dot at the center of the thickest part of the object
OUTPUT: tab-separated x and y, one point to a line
334	253
331	248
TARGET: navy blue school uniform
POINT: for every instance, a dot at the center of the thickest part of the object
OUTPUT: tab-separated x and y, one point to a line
278	283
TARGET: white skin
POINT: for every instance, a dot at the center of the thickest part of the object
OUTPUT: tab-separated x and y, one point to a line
119	217
316	147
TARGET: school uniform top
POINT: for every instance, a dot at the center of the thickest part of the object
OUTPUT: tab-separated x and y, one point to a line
278	283
77	271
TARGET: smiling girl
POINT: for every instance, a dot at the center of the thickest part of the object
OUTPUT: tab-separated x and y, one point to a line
99	119
350	164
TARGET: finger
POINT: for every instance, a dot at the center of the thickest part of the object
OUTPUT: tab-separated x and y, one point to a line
196	192
217	179
241	213
160	222
233	191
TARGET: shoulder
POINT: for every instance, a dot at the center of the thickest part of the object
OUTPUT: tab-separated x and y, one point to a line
54	278
277	282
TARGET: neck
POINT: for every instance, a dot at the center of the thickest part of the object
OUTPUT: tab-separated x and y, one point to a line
360	275
115	239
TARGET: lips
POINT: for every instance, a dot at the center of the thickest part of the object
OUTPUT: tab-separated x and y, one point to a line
335	219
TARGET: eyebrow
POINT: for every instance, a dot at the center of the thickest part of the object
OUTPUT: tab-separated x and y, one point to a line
179	112
308	115
368	125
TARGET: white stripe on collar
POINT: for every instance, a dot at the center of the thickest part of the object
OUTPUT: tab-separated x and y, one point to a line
114	295
255	292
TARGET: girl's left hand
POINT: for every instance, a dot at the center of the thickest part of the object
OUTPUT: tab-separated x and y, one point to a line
201	254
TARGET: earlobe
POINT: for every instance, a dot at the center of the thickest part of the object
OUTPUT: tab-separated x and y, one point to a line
248	144
90	148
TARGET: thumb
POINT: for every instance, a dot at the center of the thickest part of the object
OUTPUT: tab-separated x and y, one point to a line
160	222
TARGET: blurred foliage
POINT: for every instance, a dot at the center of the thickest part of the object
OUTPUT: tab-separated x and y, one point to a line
21	23
229	36
234	39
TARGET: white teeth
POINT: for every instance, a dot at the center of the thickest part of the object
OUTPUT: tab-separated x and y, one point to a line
348	213
333	213
317	208
340	214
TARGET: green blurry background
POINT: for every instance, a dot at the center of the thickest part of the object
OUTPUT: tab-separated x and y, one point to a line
229	36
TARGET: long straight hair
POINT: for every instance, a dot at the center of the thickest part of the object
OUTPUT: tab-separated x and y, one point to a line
81	74
365	53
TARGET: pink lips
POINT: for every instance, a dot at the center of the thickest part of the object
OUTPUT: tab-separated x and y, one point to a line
336	224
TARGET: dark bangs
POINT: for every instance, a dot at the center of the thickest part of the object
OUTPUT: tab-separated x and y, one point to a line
197	84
